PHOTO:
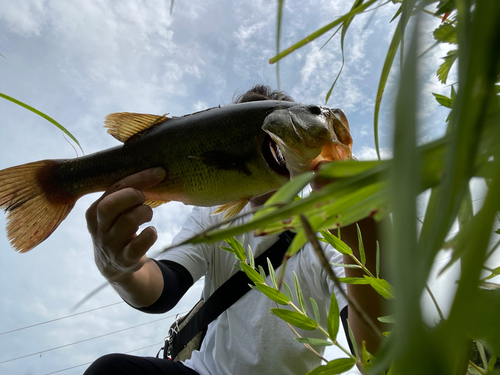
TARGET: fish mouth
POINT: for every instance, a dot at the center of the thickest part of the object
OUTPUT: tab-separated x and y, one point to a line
274	157
339	147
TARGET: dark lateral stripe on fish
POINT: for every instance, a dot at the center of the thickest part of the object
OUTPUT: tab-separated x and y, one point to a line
225	160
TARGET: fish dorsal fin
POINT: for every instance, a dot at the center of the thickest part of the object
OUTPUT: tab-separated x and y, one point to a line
232	208
124	125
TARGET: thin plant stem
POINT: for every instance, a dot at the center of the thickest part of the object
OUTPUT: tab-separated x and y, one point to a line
477	368
441	316
307	345
319	252
363	267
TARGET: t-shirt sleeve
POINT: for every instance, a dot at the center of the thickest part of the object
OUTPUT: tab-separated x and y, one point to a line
176	281
183	265
195	258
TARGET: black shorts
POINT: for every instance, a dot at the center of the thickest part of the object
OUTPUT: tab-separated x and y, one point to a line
123	364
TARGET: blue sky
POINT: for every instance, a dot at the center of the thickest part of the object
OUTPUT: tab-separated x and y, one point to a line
79	61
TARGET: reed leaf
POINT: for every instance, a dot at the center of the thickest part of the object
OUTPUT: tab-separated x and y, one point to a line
320	32
43	115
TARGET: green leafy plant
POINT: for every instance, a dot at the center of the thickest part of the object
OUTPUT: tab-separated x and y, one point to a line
445	166
296	315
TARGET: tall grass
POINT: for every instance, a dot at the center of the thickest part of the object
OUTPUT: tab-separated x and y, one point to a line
470	148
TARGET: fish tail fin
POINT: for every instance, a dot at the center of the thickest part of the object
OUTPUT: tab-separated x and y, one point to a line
34	203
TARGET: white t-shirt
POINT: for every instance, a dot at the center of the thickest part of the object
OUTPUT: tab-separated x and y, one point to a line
247	338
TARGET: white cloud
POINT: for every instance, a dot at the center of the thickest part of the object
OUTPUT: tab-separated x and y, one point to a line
23	16
79	61
369	153
199	105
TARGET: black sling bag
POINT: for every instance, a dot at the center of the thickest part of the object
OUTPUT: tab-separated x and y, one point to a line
187	333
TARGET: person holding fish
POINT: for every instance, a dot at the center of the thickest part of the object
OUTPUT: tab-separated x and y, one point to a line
234	157
246	339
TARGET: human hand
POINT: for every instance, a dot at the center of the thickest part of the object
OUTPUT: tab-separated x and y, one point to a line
318	183
114	219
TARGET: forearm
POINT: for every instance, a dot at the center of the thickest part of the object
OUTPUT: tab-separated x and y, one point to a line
369	300
141	288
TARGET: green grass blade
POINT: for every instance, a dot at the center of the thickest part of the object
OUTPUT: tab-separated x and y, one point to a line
273	294
317	316
250	257
299	294
381	286
389	59
285	195
252	274
361	246
336	243
237	248
313	341
272	274
333	318
295	319
363	188
466	211
320	32
43	115
278	38
345	26
477	64
404	187
336	366
288	292
262	273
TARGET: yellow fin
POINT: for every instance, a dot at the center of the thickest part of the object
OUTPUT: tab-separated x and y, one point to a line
232	208
35	206
154	203
124	125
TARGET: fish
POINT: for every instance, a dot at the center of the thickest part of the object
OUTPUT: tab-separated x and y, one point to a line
222	156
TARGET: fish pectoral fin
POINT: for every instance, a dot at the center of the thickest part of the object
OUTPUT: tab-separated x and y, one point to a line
124	125
232	208
225	160
154	203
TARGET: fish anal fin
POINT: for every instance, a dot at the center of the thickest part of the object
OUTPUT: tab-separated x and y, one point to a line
232	208
154	203
124	125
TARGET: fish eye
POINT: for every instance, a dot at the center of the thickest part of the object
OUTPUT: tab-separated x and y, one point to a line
315	110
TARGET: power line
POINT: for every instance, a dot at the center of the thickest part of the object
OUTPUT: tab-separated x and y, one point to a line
88	363
54	320
85	340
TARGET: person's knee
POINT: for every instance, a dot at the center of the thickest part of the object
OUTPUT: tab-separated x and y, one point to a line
106	365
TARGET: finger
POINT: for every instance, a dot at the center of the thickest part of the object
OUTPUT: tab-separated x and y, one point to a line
140	181
112	206
127	224
318	182
139	246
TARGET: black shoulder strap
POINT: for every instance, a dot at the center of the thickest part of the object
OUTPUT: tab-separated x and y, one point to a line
230	292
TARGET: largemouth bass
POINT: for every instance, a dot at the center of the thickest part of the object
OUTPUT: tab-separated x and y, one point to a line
220	156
